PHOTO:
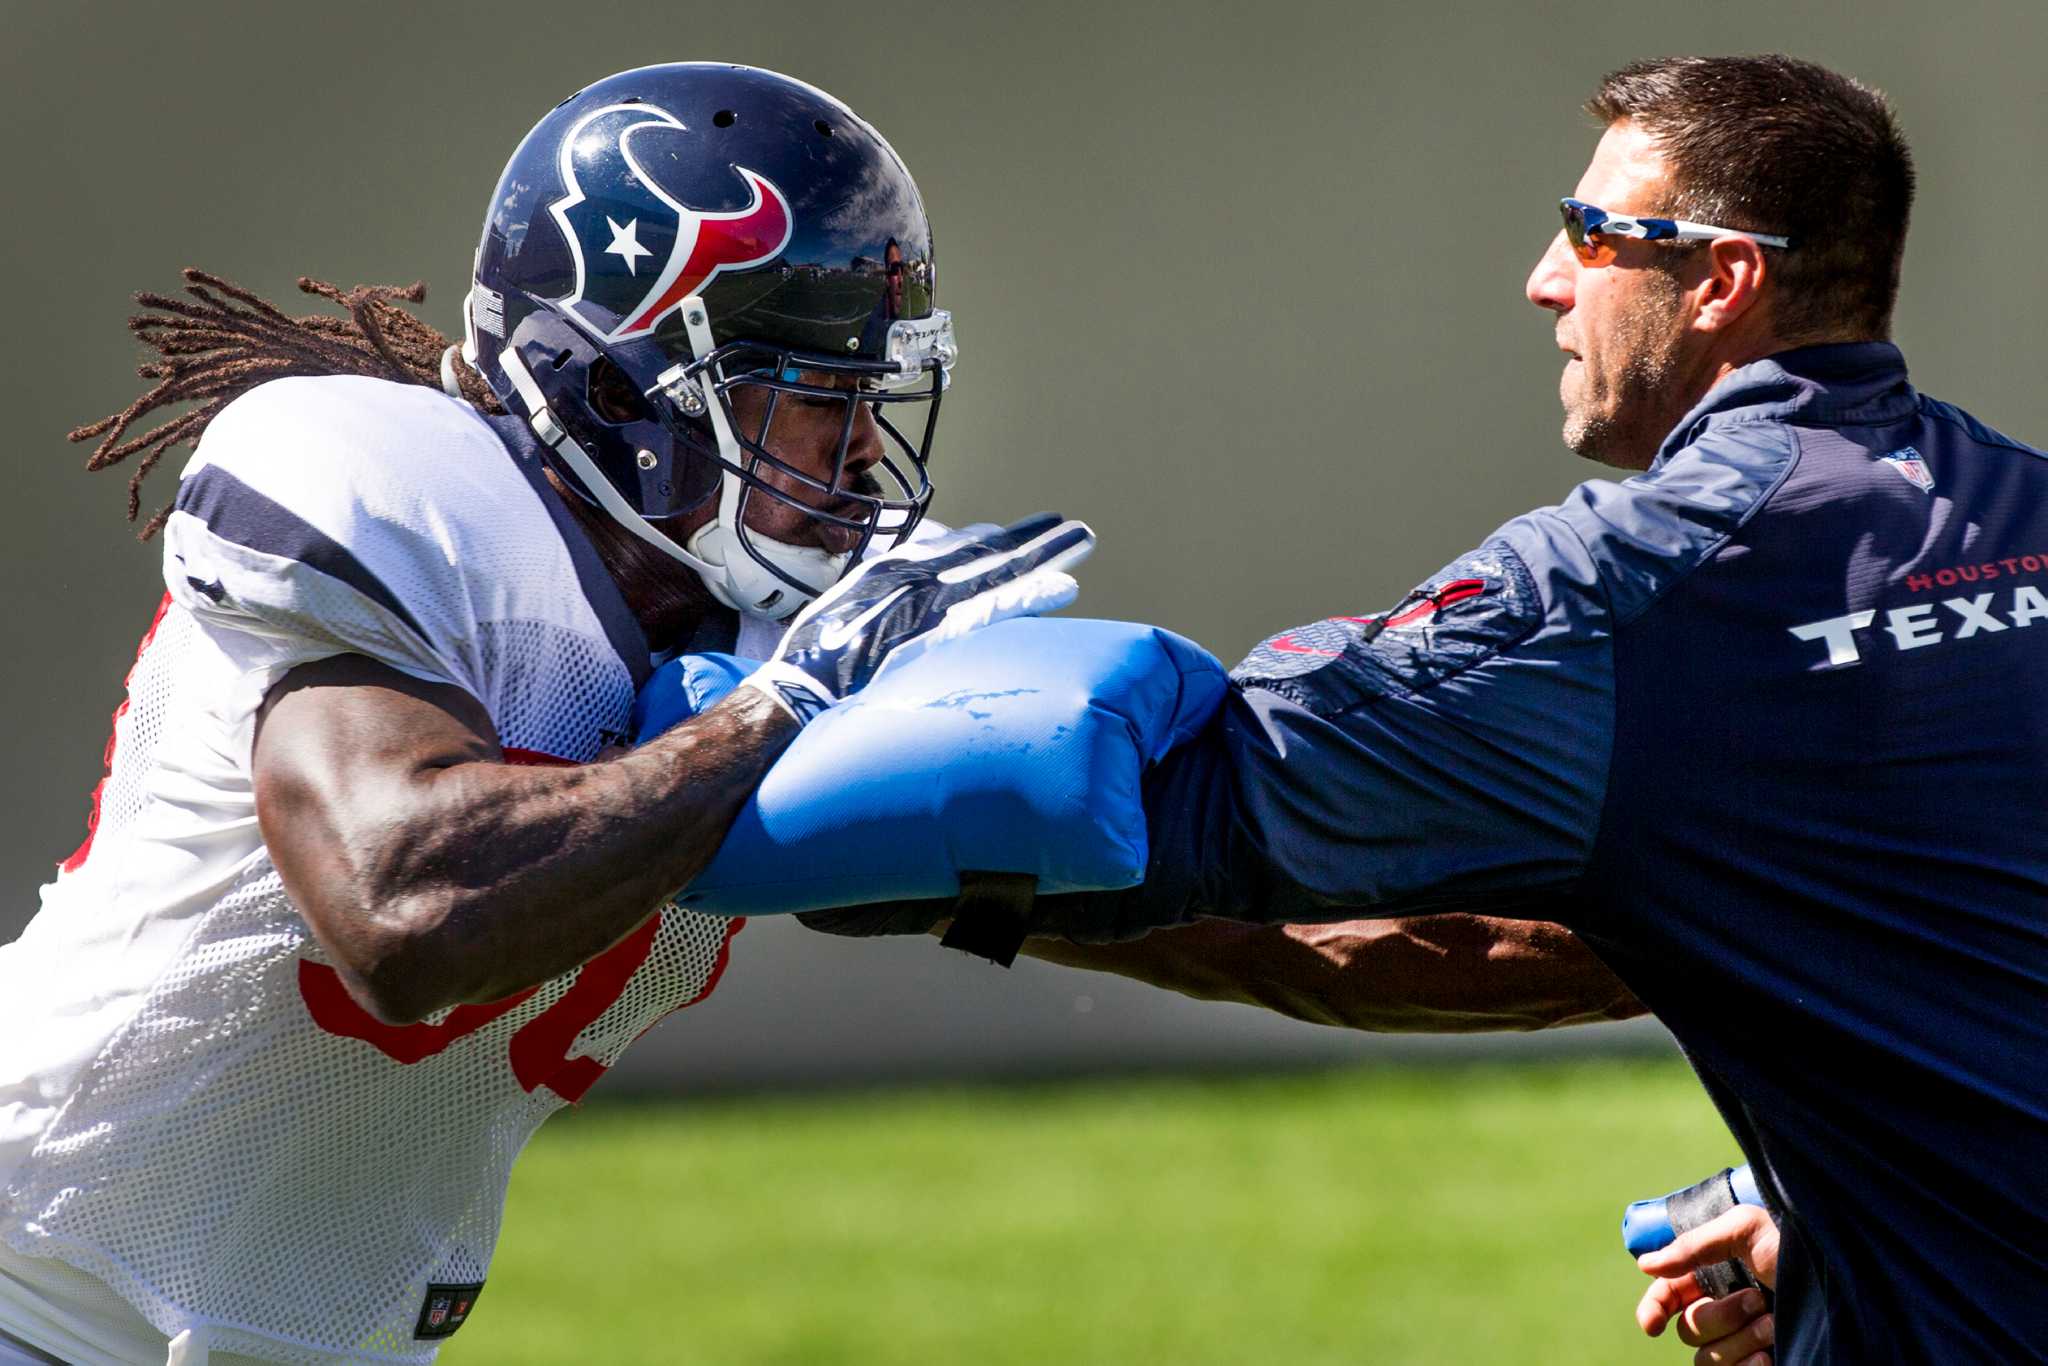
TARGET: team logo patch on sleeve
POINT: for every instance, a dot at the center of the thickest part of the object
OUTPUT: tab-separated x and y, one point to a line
1478	605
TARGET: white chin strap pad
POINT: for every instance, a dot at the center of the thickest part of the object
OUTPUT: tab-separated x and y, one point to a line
746	585
735	577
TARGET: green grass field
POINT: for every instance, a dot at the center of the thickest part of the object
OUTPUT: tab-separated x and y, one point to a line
1459	1214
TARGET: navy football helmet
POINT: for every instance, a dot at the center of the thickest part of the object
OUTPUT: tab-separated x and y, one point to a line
785	247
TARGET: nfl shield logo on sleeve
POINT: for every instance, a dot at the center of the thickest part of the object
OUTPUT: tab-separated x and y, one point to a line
1911	468
446	1308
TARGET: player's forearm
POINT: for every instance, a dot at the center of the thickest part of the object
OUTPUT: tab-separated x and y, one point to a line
1441	974
433	873
533	871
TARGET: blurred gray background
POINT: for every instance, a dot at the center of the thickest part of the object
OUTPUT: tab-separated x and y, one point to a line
1241	285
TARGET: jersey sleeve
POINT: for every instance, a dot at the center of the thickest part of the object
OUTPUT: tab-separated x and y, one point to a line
1448	754
298	535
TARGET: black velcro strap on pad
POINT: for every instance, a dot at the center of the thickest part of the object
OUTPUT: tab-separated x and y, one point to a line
1696	1205
992	916
1722	1279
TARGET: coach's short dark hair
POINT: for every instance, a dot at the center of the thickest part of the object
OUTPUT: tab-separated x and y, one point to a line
1772	144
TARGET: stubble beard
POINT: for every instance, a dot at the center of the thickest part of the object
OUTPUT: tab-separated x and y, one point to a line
1621	416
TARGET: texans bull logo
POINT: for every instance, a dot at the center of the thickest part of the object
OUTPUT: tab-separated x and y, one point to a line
619	222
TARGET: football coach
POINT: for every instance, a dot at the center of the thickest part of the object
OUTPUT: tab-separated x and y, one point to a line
1763	724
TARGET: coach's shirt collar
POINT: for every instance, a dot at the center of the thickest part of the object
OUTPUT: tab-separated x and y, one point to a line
1842	384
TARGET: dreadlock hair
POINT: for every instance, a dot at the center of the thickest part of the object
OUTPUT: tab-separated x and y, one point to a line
223	341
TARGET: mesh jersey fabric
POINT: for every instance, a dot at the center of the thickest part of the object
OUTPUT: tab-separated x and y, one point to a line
192	1109
74	1319
15	1352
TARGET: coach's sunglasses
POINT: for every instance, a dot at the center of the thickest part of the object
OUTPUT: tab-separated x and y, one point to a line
1585	225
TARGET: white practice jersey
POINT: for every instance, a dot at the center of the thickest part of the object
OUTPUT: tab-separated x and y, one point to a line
193	1111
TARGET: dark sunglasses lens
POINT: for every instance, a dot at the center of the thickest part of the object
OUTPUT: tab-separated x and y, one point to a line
1587	246
1575	226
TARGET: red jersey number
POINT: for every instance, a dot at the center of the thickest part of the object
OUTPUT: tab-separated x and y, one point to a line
539	1051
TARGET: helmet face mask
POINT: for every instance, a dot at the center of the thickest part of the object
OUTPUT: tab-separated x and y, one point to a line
855	498
702	281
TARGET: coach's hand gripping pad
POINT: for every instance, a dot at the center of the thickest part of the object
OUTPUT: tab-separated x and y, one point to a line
1016	749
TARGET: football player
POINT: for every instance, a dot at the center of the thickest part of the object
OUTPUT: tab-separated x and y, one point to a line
350	920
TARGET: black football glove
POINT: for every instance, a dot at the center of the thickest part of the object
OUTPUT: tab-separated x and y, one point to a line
898	604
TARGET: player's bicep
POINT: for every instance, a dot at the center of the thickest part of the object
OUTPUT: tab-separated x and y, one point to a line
343	750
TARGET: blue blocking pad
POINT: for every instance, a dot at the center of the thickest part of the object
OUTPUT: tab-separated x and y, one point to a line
683	687
1016	749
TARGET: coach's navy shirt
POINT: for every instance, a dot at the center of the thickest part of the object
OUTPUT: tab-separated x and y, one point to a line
1767	726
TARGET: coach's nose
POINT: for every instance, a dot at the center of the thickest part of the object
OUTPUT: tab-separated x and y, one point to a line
1551	283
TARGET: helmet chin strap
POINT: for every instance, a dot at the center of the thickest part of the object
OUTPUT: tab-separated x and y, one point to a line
739	580
746	585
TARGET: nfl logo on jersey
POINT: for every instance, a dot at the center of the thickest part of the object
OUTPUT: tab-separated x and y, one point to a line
445	1309
1911	468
